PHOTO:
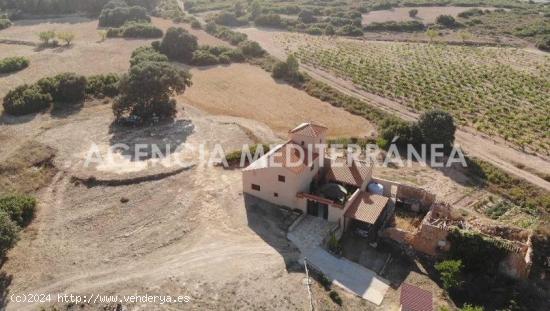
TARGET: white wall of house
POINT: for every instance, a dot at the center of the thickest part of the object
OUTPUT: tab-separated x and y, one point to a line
275	191
307	141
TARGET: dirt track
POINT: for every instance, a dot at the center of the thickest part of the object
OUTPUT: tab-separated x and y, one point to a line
473	143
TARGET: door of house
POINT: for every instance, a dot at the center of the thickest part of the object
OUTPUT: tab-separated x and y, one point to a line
317	209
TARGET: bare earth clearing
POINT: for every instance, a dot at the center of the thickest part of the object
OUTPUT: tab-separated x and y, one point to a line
425	14
247	91
490	149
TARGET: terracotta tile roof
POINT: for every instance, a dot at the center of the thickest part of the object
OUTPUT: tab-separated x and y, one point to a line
309	129
353	174
415	299
288	156
367	207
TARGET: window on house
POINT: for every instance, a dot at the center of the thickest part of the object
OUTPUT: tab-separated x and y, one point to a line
282	178
275	194
255	187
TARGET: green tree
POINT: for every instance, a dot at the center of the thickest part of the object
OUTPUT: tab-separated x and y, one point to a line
255	9
437	127
66	37
8	233
46	36
449	272
432	33
446	20
178	44
413	13
329	30
20	208
146	90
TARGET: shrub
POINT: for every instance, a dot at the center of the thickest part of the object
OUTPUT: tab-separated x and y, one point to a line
336	298
8	233
449	272
234	55
469	307
314	30
229	19
141	30
178	44
349	30
446	21
195	24
65	88
4	23
413	13
13	64
406	132
544	43
116	16
306	17
288	71
46	36
251	48
66	37
103	85
20	208
26	99
471	12
145	91
149	54
204	58
329	30
269	20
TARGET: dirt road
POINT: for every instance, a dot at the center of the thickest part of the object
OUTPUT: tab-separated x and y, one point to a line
473	143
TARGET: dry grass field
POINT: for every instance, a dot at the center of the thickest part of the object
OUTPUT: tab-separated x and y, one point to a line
86	56
243	90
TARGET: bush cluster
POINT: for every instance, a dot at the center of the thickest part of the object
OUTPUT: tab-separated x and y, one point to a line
178	44
446	21
471	12
16	212
212	55
4	23
13	64
544	43
269	20
251	49
288	71
100	86
405	26
225	33
146	54
116	13
26	99
229	19
135	30
65	89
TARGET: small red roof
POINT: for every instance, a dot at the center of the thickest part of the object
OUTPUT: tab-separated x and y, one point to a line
354	174
309	129
414	298
367	207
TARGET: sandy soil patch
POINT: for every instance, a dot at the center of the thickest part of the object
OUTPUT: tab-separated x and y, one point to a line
247	91
425	14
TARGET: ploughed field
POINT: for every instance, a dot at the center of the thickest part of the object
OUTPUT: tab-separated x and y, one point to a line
498	91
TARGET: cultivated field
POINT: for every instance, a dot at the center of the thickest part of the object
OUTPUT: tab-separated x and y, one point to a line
498	91
247	91
426	14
